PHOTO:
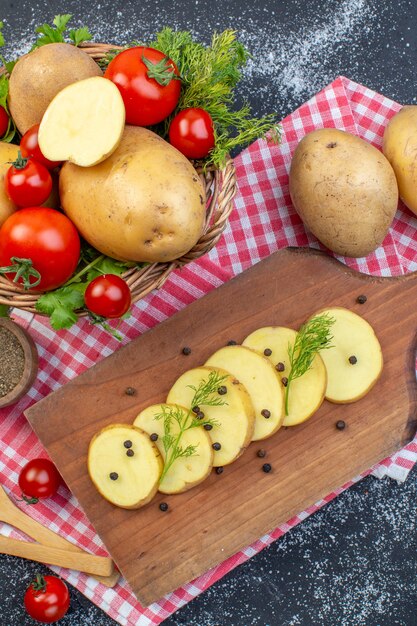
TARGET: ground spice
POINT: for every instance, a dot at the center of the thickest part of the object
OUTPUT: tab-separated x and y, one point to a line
12	361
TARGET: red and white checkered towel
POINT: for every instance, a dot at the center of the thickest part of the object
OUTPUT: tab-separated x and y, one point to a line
263	221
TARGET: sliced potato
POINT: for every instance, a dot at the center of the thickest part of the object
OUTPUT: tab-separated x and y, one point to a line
307	392
235	418
185	472
355	361
261	381
84	122
124	465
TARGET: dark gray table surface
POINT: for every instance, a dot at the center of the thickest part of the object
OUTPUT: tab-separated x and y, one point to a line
353	563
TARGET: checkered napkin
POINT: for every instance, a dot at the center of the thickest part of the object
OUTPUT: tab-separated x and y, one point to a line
263	221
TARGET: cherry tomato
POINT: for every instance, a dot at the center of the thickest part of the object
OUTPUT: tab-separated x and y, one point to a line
108	296
27	182
148	82
44	240
39	478
4	121
47	599
29	147
192	133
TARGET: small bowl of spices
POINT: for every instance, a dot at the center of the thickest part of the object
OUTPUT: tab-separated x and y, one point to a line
18	362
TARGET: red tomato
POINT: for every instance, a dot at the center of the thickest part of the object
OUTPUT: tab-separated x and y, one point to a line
108	296
45	237
27	182
29	147
192	133
4	121
146	79
47	599
39	478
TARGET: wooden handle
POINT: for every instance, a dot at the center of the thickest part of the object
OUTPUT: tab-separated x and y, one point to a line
83	562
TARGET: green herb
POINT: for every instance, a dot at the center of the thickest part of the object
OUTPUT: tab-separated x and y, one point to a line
4	310
61	305
204	395
4	90
311	338
57	32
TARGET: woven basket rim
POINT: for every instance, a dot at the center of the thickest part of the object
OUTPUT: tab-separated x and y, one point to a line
220	187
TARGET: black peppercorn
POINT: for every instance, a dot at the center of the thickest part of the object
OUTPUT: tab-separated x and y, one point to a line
222	390
163	506
266	467
340	425
280	367
361	299
208	426
232	342
284	381
219	470
186	350
200	415
195	409
127	443
114	475
216	446
130	453
261	453
153	437
265	413
130	391
353	360
267	352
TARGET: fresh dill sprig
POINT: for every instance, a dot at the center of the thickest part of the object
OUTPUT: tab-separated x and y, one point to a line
206	394
312	337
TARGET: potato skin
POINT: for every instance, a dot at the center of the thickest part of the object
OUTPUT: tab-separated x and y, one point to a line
8	152
143	203
344	190
400	148
39	75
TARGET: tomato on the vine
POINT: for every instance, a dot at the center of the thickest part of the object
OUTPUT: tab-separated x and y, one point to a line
149	83
29	147
47	599
39	248
4	121
39	478
27	182
192	133
108	296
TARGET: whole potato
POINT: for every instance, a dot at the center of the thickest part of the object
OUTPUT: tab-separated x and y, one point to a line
8	153
39	75
344	190
400	148
143	203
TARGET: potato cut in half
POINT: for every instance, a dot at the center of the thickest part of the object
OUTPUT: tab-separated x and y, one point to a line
234	419
261	381
305	393
84	122
355	361
185	472
124	465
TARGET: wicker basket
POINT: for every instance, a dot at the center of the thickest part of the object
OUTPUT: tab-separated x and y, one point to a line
220	188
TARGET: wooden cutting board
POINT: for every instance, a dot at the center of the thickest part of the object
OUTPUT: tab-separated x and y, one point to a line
159	551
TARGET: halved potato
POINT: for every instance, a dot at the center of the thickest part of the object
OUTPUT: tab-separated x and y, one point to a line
84	122
124	465
235	418
185	472
307	392
355	361
261	381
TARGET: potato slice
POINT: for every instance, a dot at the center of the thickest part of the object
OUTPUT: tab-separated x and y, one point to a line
307	392
84	122
235	418
185	472
261	381
124	465
355	361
